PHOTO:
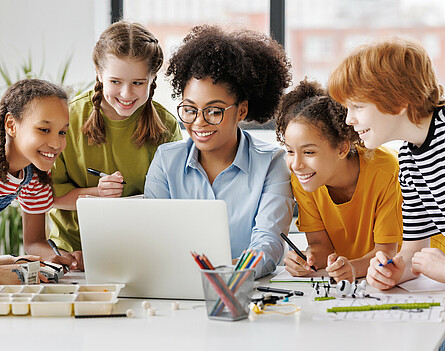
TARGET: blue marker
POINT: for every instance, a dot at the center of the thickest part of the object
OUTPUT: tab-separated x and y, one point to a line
389	261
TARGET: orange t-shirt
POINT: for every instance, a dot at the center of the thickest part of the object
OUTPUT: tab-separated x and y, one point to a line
373	215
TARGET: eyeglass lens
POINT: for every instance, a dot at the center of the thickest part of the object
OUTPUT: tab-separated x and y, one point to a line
212	115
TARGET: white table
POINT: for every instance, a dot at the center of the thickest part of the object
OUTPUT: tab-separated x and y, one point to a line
189	329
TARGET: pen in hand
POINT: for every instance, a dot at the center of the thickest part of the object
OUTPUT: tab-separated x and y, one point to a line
56	251
98	173
388	262
299	253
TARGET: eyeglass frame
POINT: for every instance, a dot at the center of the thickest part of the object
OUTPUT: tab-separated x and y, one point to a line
202	111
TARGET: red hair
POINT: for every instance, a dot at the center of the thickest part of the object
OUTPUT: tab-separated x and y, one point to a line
392	74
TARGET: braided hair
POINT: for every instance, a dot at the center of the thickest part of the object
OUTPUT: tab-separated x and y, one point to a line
16	100
310	103
127	40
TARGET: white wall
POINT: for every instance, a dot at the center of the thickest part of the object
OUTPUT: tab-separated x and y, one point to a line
50	31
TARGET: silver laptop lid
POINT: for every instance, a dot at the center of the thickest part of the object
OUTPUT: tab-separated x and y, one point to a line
146	243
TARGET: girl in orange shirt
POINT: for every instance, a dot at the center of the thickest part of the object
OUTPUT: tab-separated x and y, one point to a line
349	198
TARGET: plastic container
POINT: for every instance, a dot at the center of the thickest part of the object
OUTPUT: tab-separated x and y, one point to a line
113	288
31	289
52	305
29	296
20	305
5	305
59	289
94	303
58	300
227	292
11	289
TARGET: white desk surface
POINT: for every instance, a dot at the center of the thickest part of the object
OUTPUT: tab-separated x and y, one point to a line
190	329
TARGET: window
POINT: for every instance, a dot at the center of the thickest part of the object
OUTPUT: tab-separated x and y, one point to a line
171	20
320	32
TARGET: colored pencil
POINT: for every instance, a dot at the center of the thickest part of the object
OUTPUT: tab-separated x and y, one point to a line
220	287
237	279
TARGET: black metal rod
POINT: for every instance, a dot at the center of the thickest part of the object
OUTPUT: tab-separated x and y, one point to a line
117	10
277	20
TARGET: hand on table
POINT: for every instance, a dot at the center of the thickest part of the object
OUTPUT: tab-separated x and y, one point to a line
298	267
385	276
430	262
74	260
11	259
340	268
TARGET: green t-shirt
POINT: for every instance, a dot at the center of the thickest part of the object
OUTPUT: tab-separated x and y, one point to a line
118	153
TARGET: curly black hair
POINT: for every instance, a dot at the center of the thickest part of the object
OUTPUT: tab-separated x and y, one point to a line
311	104
253	65
16	100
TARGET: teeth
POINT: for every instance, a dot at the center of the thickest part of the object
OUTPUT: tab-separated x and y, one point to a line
48	154
304	177
125	103
360	132
204	134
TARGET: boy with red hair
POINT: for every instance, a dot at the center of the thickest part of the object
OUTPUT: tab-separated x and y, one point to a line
392	93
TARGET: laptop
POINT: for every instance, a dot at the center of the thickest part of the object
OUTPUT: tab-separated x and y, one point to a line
146	244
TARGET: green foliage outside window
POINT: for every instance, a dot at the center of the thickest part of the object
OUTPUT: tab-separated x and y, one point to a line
11	230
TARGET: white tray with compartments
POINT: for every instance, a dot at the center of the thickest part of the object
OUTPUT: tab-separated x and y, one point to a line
58	300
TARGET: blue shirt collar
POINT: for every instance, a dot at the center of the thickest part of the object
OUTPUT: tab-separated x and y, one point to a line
241	159
192	158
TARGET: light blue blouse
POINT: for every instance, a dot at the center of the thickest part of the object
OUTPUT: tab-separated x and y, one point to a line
256	188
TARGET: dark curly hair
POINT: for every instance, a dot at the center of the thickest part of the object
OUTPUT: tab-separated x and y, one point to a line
253	65
16	101
311	104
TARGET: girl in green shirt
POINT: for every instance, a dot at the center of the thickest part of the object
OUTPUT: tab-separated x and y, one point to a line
115	128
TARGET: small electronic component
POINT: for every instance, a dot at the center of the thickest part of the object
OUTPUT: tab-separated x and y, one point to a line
52	271
28	273
356	289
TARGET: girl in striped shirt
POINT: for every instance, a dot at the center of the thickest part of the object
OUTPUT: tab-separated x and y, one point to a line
33	123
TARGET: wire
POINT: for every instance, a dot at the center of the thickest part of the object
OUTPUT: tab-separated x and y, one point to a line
296	309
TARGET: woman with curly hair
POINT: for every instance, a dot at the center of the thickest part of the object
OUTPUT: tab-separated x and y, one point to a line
349	198
224	78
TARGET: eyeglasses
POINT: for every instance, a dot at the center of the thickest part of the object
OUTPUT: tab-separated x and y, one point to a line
212	115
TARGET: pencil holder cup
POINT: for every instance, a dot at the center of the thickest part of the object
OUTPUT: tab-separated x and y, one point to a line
227	292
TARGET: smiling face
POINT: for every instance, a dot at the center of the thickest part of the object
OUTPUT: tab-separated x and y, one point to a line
40	136
219	140
126	84
374	127
311	157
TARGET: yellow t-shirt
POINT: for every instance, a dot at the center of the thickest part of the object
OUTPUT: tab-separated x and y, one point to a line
373	215
118	153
